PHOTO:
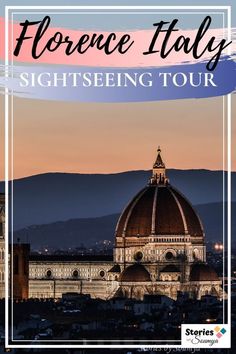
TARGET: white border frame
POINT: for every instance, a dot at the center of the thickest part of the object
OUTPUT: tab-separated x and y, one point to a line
7	8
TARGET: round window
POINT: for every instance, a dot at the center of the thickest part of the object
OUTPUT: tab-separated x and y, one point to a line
102	273
75	273
49	273
169	255
138	256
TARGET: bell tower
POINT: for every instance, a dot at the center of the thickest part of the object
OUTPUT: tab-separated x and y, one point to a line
20	276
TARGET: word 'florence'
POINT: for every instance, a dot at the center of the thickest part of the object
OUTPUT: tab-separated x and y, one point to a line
111	43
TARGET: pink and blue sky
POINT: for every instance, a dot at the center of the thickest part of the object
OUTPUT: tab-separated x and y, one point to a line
52	136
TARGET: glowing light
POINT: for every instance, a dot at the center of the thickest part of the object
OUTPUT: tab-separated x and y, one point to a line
211	320
218	247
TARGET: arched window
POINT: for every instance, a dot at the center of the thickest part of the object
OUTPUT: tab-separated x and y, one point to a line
102	273
49	273
196	254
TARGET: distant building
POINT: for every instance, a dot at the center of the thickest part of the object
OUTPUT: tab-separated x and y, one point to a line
20	262
159	250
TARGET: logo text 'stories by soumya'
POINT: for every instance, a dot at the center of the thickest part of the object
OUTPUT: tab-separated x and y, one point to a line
205	336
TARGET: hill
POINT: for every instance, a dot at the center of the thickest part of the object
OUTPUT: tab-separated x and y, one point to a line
50	197
88	231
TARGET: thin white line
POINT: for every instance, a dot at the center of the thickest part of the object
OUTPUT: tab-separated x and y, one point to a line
228	8
6	182
188	7
229	28
95	346
223	216
12	207
229	183
229	208
223	270
114	13
98	340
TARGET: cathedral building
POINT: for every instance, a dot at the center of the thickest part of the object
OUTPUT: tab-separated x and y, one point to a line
159	249
160	243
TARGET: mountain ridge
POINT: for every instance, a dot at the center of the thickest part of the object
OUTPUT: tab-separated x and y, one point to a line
89	231
49	197
112	173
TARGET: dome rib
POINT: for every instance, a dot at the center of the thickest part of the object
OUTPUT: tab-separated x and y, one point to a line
120	227
181	212
159	210
132	208
193	221
139	219
168	220
154	214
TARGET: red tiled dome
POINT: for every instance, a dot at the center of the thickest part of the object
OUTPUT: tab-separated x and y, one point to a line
202	272
135	273
159	209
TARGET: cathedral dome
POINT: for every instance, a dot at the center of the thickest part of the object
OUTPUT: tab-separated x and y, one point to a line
159	209
203	272
135	273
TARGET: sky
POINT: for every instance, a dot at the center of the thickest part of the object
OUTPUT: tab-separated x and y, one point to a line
108	138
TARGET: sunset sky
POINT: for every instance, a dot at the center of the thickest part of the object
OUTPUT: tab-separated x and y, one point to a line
108	138
52	136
